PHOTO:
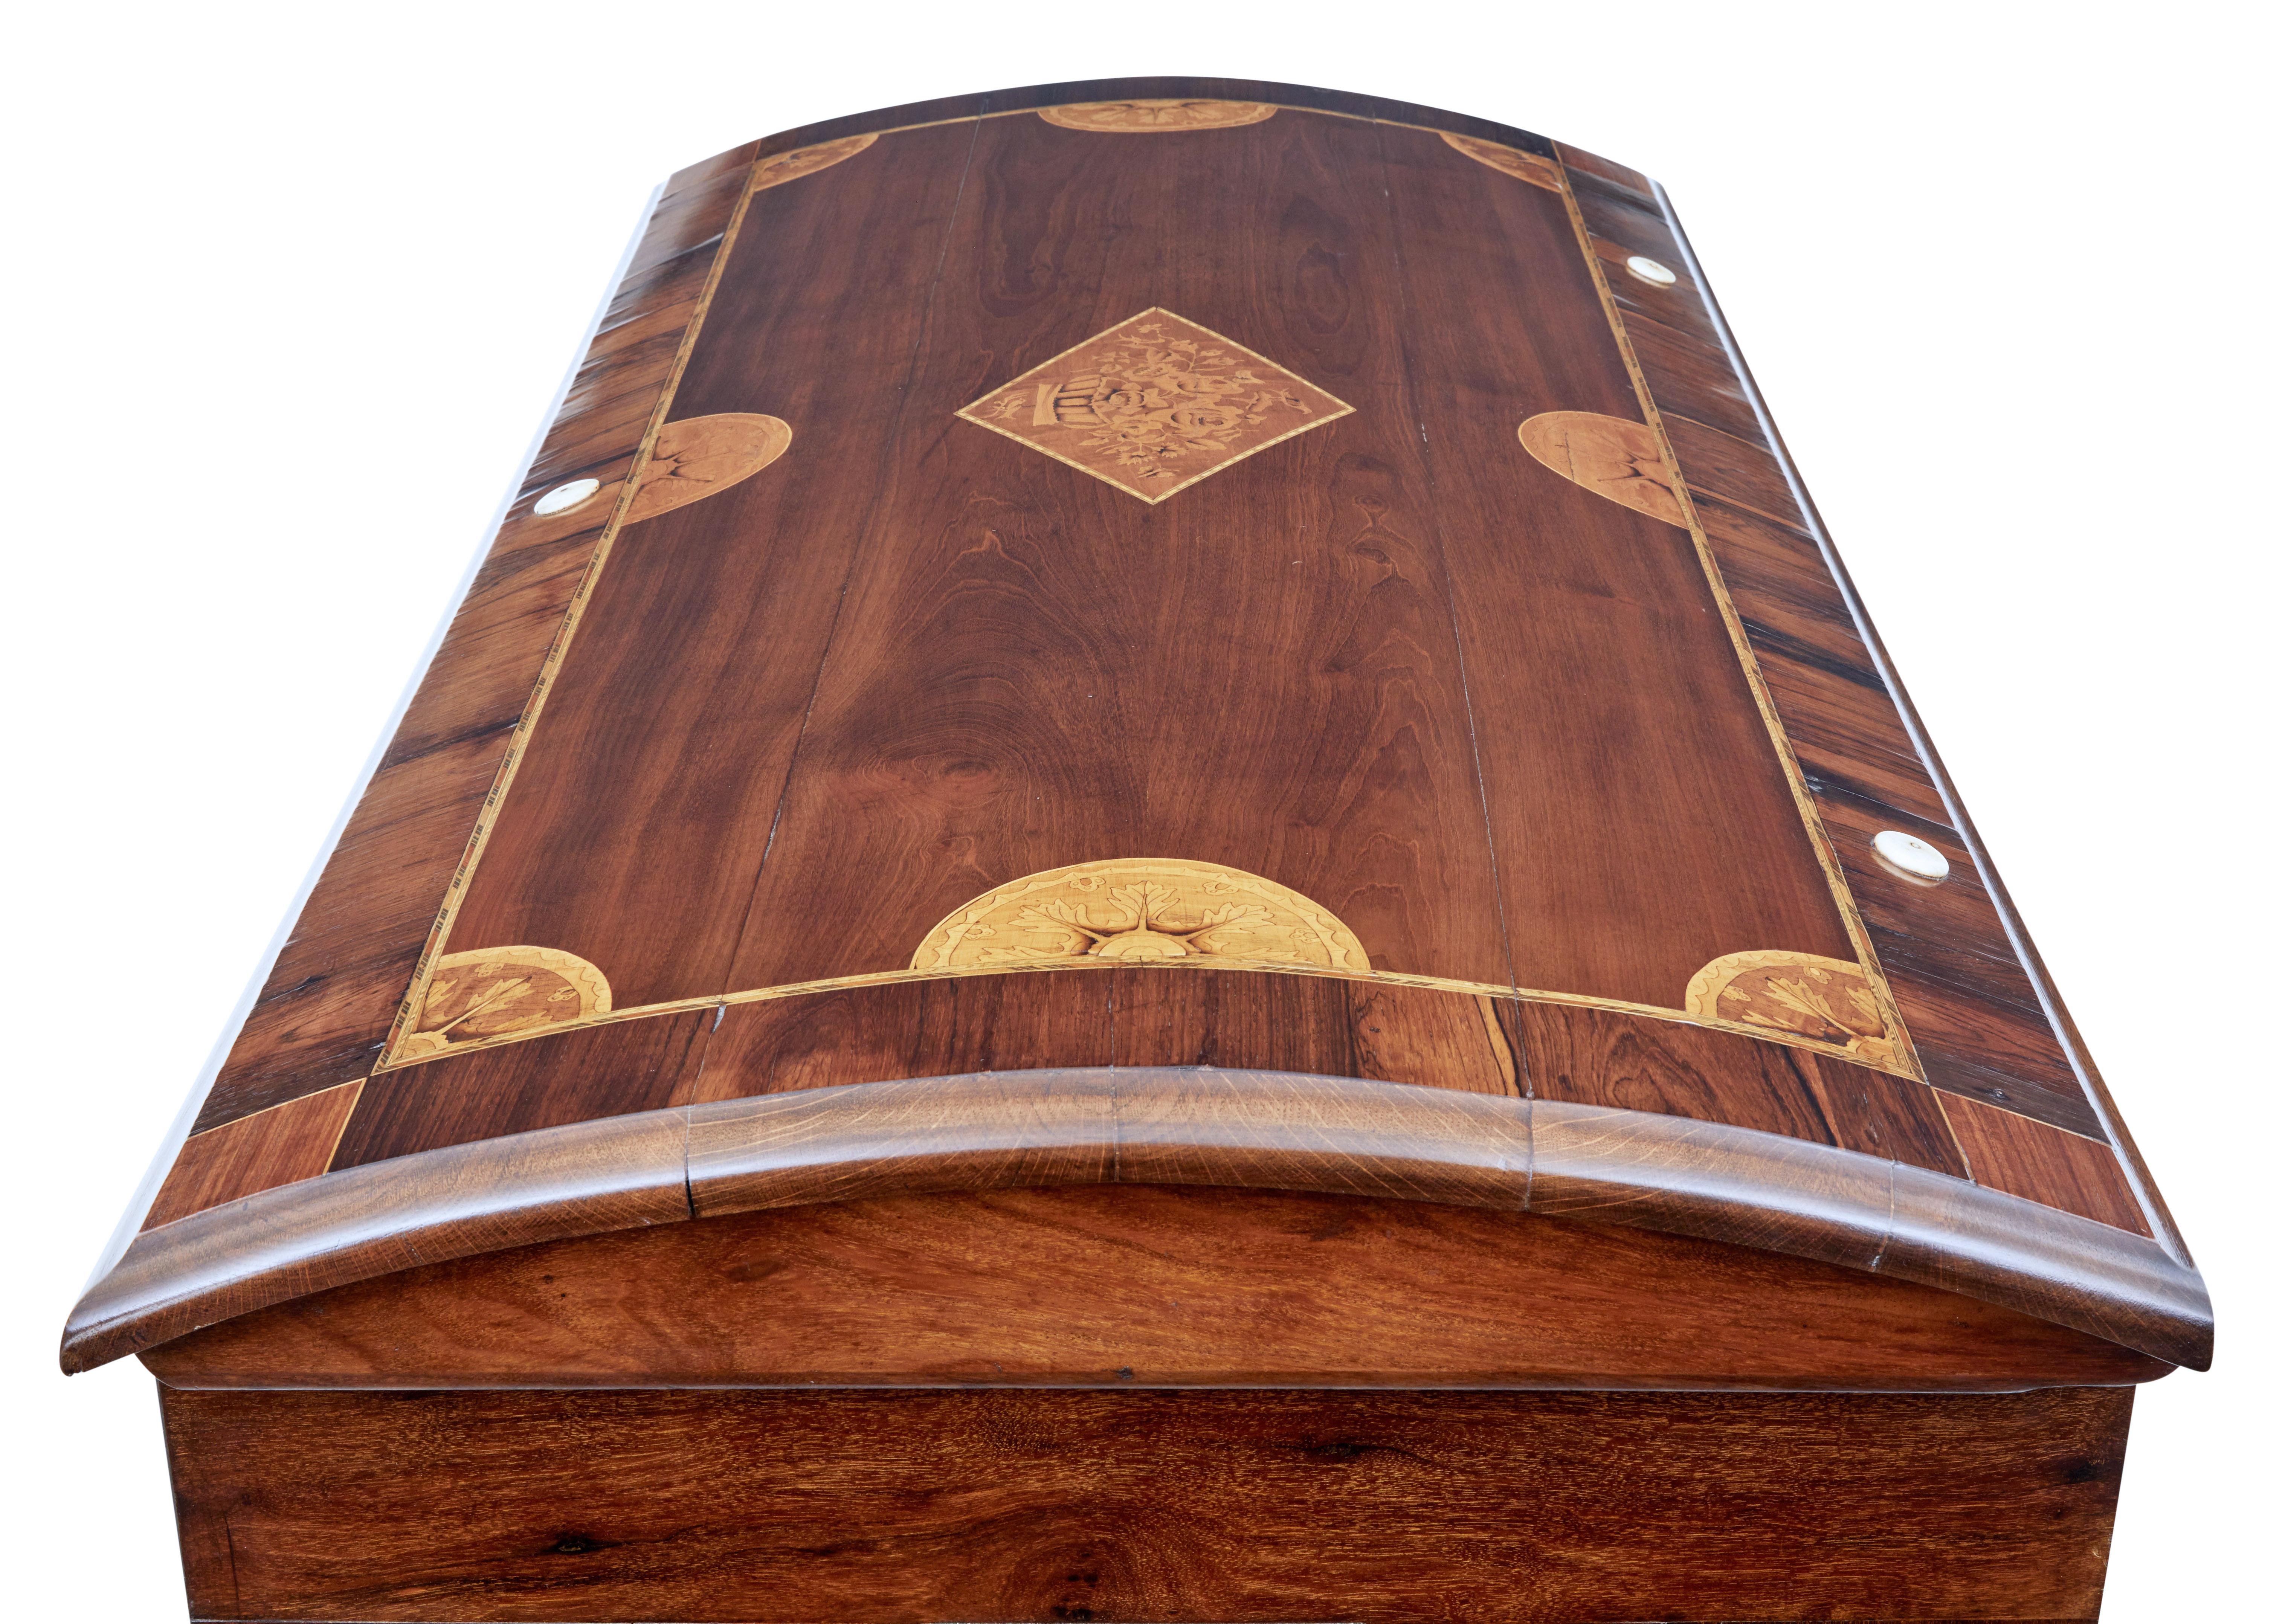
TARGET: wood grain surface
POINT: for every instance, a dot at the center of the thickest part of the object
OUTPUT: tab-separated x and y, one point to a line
1146	1126
1260	1506
282	1145
572	797
1116	1286
582	1076
2019	1154
1600	1057
1319	689
1123	1017
643	805
582	1178
912	660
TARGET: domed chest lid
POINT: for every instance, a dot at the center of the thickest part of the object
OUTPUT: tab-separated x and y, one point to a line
1154	576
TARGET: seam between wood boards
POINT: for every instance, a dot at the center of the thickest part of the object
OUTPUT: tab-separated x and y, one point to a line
850	570
1445	574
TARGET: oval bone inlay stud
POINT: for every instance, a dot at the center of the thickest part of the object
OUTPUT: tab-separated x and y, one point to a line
1651	271
565	497
1916	860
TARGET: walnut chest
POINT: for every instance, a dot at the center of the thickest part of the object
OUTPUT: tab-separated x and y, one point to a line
1159	875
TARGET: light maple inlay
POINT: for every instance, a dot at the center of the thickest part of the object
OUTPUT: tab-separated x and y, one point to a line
1154	405
1620	460
1160	116
807	161
1139	910
496	991
699	457
1828	1000
1526	166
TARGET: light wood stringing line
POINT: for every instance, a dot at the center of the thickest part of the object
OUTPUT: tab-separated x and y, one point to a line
1388	978
1814	826
560	645
2063	1029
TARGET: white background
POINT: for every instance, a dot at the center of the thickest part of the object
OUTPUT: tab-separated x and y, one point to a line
290	288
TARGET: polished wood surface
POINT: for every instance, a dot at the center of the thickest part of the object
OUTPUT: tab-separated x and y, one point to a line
1114	1017
752	240
1602	1057
1148	1125
282	1145
1234	1506
2015	1153
277	1244
911	251
582	1076
1145	1286
1141	736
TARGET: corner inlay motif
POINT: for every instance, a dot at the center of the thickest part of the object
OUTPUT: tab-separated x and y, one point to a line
1154	405
698	457
1828	1000
1143	117
1139	910
1619	460
807	161
1526	166
494	991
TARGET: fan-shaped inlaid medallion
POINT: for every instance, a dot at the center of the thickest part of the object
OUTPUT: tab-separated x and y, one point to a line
1145	118
1619	460
1526	166
497	992
807	161
1827	1001
698	457
1141	911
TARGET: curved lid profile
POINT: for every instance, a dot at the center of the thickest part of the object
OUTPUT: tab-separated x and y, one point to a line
1164	630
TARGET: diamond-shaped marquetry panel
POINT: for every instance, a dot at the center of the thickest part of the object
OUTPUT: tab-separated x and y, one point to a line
1154	404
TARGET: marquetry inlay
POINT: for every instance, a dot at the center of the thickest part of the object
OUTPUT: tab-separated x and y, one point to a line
807	161
494	991
1826	999
1139	910
1131	117
1154	405
1524	165
1616	459
699	457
